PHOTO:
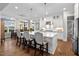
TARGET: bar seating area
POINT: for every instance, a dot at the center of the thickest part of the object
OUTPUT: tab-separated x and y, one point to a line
37	42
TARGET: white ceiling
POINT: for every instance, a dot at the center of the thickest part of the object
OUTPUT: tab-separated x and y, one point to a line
38	9
2	6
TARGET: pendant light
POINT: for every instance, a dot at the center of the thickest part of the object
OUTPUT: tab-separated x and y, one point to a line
30	18
45	12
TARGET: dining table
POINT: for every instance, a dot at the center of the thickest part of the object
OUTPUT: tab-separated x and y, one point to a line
50	37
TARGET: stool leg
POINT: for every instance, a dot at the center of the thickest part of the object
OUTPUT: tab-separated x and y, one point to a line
23	43
41	50
17	41
20	42
47	48
35	49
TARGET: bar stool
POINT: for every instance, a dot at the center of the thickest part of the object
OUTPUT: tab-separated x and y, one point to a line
19	38
40	44
27	41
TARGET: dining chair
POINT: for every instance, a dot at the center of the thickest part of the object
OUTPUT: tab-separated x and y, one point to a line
40	44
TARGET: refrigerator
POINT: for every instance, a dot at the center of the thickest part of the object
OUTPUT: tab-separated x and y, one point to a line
75	40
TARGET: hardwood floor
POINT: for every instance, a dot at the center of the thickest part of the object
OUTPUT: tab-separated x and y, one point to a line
9	48
64	49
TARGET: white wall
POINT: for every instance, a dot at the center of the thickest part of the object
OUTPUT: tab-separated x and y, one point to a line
18	23
56	22
65	15
36	24
42	23
76	15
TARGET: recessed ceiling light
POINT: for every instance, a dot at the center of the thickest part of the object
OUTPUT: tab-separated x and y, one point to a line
16	7
64	8
44	19
11	18
31	21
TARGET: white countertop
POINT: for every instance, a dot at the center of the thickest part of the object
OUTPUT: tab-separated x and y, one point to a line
46	34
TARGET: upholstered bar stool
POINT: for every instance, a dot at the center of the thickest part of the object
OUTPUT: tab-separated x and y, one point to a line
19	38
40	44
27	41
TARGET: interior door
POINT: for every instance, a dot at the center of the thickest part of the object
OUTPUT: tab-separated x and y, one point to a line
70	26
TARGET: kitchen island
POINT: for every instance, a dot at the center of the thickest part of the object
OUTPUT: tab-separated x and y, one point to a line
50	37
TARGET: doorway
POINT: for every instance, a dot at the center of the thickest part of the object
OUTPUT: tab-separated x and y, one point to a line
9	27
